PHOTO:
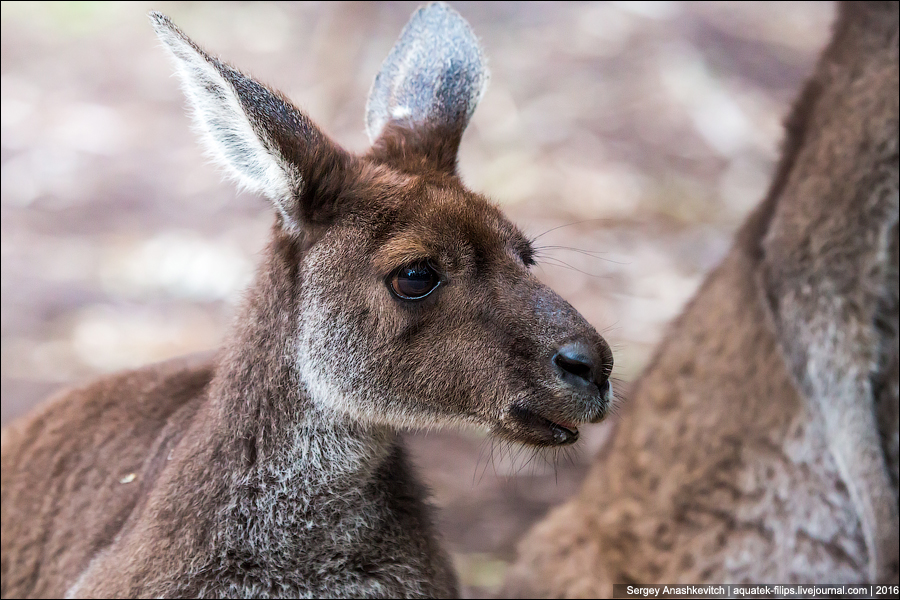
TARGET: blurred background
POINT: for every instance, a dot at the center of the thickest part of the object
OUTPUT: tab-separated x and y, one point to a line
631	137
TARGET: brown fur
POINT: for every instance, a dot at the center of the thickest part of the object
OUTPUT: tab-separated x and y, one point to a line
761	443
86	503
275	468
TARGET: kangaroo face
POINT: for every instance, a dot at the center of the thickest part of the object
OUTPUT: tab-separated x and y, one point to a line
420	310
413	304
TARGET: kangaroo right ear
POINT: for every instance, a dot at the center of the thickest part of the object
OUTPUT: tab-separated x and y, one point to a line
265	142
427	89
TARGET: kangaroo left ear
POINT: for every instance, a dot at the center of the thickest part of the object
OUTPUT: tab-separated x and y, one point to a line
427	89
266	143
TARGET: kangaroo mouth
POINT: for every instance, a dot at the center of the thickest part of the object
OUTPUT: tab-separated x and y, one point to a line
538	430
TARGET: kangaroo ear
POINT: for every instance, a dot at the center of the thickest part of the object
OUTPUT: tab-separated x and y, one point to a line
427	89
266	143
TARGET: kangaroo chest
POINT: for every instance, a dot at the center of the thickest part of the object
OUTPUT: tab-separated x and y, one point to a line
310	533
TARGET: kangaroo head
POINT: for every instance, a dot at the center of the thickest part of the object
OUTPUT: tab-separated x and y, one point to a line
414	305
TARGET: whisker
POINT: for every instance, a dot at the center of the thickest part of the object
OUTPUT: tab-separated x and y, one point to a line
591	253
563	264
540	235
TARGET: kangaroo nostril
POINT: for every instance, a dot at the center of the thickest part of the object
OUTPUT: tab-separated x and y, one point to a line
575	359
575	367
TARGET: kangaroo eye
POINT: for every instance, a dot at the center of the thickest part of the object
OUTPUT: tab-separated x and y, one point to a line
414	282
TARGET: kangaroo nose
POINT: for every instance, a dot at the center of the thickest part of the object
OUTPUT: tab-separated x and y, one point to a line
579	366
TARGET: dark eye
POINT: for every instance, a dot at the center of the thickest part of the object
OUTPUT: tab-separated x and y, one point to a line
414	282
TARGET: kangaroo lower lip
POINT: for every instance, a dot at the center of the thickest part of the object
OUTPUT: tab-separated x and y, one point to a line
564	434
550	432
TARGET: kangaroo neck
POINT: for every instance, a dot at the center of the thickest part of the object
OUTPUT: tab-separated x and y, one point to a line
265	412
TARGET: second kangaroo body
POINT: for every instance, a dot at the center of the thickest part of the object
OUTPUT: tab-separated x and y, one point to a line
761	443
389	297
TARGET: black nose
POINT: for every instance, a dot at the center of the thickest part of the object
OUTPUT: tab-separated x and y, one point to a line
579	366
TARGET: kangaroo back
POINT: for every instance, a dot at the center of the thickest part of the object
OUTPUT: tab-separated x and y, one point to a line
761	443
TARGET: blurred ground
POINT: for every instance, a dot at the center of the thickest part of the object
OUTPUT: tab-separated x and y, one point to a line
637	135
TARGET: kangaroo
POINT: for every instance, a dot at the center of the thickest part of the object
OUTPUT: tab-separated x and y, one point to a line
389	297
760	444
